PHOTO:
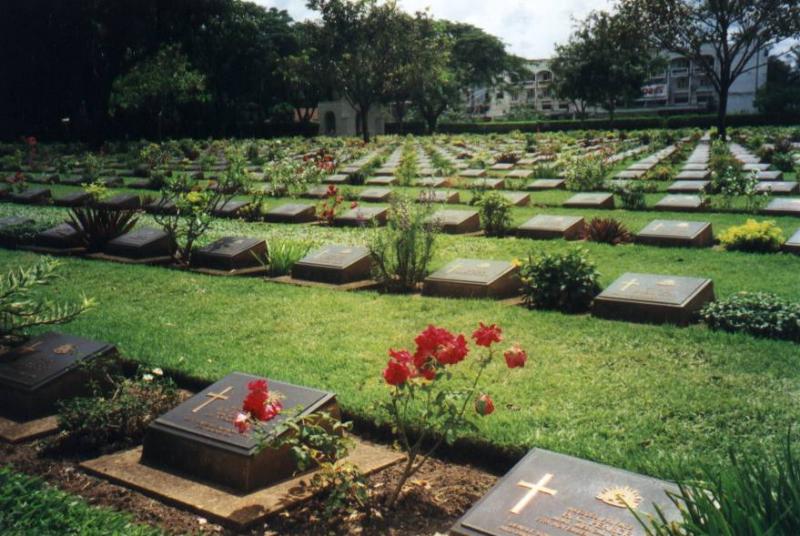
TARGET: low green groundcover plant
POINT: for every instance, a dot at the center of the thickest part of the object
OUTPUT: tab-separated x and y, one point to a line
758	313
756	495
566	282
755	236
115	416
28	506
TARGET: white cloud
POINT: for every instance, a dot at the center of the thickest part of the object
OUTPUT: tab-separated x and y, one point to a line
531	28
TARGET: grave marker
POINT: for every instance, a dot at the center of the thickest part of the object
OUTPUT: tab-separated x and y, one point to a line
42	371
547	227
654	298
471	278
676	233
199	438
291	213
334	264
553	494
232	253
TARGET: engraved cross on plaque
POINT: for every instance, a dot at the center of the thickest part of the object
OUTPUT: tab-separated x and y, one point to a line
629	284
533	491
212	397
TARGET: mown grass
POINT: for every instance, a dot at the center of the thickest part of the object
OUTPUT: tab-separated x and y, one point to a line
636	396
28	507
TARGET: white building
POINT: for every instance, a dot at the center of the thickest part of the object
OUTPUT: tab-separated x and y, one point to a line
534	95
684	86
339	118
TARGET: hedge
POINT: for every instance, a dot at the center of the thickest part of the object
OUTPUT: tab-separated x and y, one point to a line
621	123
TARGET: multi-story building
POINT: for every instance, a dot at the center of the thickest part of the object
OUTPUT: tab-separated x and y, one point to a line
684	86
534	95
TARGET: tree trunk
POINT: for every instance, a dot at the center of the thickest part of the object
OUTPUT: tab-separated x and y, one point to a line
722	112
364	112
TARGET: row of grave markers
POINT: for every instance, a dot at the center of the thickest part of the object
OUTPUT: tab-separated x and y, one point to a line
194	456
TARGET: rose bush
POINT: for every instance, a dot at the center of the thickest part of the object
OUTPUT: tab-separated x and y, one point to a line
424	400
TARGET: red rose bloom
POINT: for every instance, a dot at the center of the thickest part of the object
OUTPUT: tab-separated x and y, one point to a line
453	352
484	405
258	403
487	335
396	373
515	357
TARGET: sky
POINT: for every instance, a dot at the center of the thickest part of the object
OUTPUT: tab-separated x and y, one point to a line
530	28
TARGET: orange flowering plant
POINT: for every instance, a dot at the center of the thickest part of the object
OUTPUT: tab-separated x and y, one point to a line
424	400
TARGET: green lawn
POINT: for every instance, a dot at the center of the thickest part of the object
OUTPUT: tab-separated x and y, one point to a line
637	396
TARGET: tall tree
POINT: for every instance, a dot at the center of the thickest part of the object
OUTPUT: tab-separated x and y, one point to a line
450	58
604	63
781	94
158	85
722	37
361	41
304	73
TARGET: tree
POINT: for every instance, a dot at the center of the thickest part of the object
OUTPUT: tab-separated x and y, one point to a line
360	41
604	63
450	58
158	85
304	74
781	94
719	36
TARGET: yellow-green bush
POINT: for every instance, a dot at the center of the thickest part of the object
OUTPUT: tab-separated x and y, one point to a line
753	236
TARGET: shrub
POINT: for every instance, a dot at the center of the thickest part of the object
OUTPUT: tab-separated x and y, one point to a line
783	161
585	173
764	236
759	313
757	494
495	211
660	173
403	250
119	419
607	231
566	282
21	308
632	195
282	254
423	400
733	183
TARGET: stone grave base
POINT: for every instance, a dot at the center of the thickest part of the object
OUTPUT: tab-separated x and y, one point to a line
364	284
218	504
66	252
128	260
251	271
20	431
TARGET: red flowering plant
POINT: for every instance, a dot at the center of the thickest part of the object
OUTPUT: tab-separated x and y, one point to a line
424	399
316	440
332	205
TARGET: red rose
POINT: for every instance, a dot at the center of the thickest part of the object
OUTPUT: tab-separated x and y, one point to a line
354	204
258	402
453	352
484	405
515	357
487	335
396	373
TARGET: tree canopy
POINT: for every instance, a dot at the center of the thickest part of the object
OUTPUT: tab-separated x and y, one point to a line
720	36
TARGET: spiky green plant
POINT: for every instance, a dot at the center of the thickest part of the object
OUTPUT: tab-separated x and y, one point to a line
757	495
22	309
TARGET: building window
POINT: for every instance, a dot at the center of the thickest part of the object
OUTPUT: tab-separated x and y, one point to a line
499	95
681	99
682	83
